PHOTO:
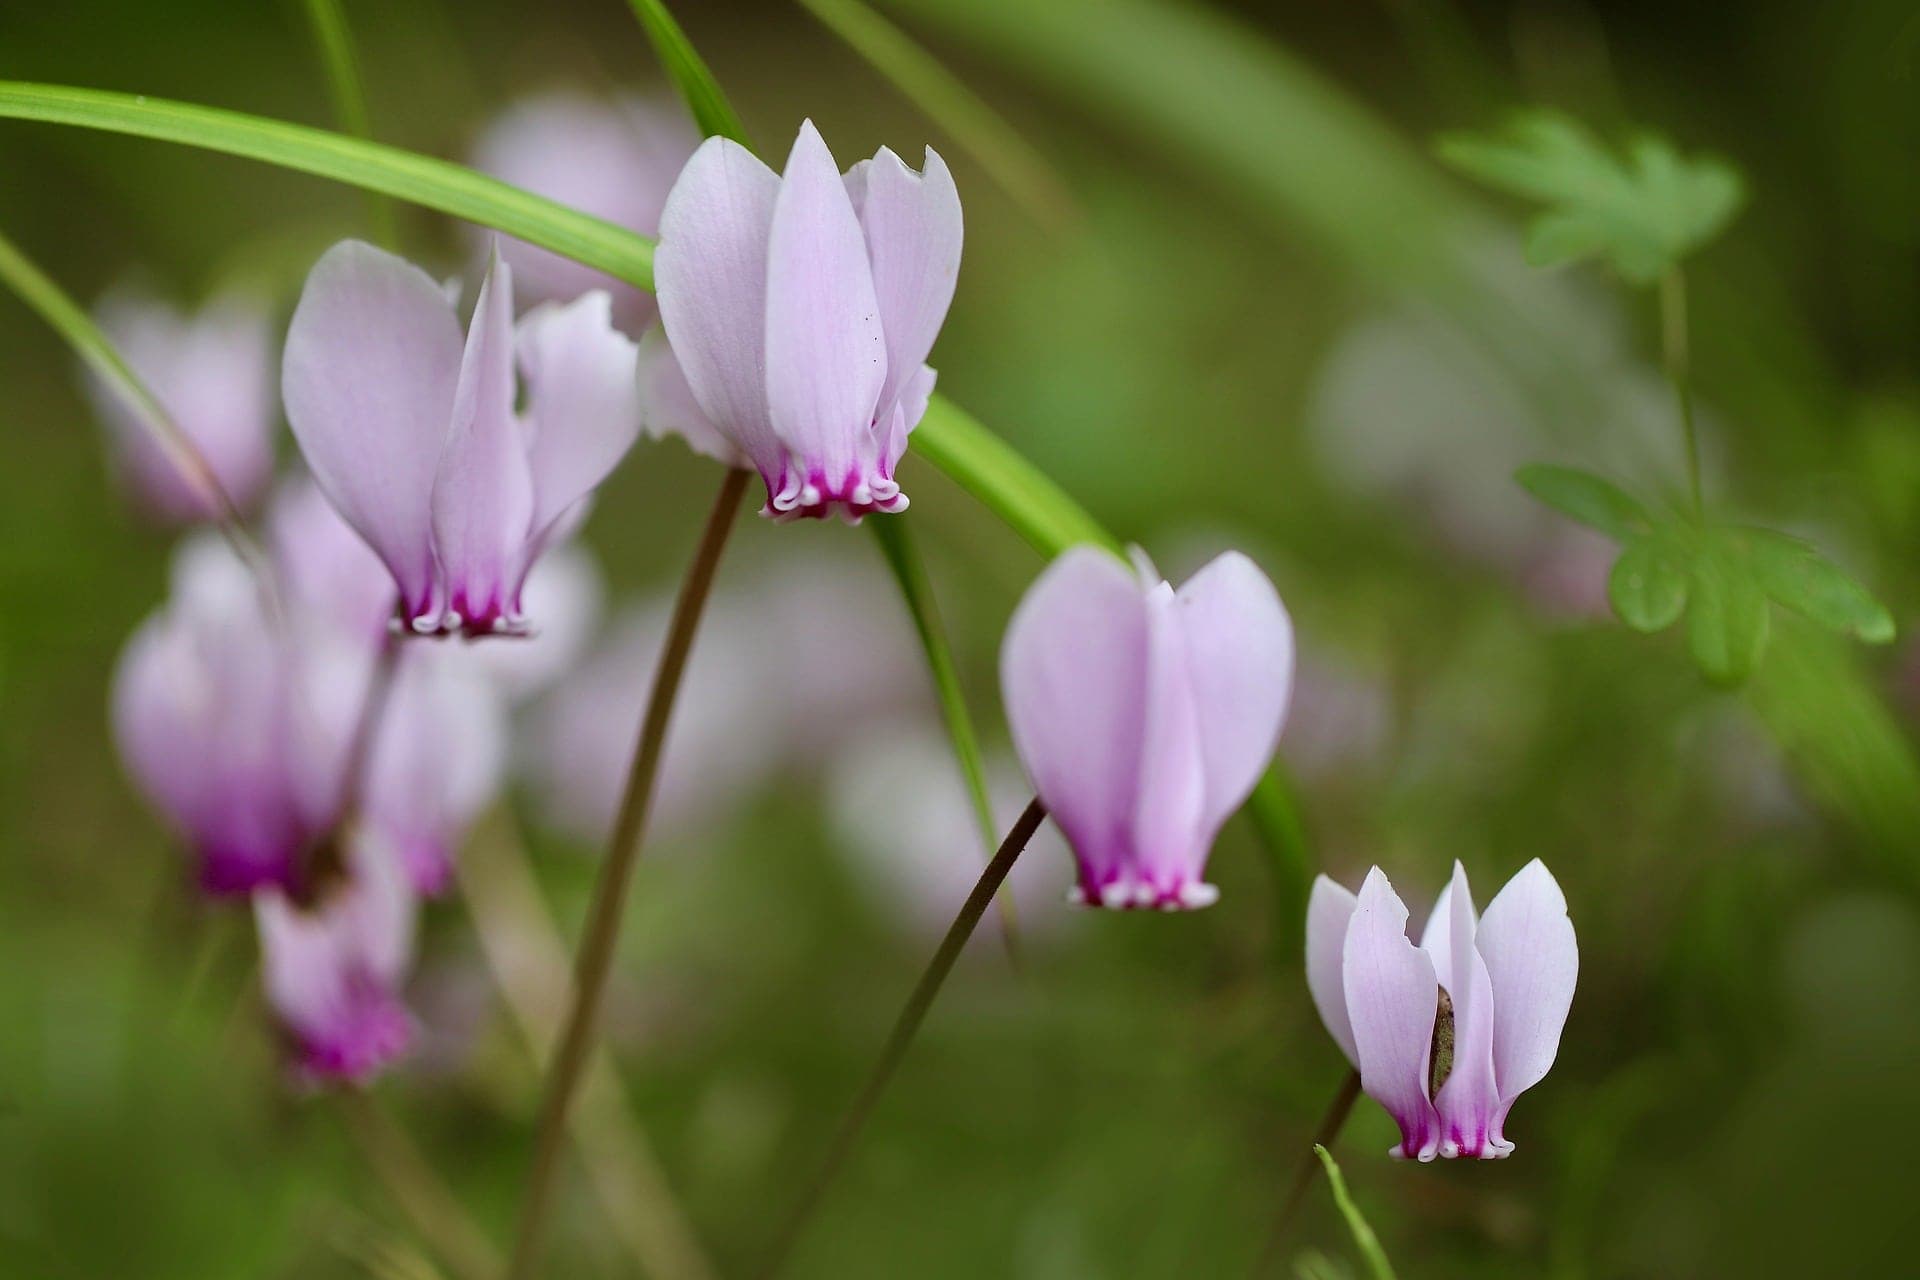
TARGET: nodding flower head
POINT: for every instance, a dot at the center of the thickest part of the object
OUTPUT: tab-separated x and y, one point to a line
212	371
414	436
332	967
1145	715
800	308
229	727
1448	1033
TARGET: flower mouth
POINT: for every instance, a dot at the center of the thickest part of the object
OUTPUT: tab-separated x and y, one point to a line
1127	892
812	496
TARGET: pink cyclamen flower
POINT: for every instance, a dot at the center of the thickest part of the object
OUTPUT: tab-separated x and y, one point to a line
801	308
332	969
228	728
414	436
1145	715
614	159
1446	1034
212	371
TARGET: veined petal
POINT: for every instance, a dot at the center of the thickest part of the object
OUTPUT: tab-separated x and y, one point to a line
668	406
1240	649
710	277
372	359
1329	912
483	492
1392	998
583	404
826	354
1073	675
914	233
1532	962
1467	1100
1169	850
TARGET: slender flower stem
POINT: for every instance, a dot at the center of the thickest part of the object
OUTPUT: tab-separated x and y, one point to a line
68	319
904	1028
595	957
1330	1125
334	39
528	957
1673	344
433	1209
366	729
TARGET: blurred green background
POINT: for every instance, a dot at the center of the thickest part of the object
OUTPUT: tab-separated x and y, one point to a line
1254	312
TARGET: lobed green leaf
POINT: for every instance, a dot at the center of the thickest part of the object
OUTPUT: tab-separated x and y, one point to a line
1727	618
1798	577
1593	501
1648	585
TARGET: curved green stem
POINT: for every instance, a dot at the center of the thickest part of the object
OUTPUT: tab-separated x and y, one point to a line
904	1029
595	958
334	39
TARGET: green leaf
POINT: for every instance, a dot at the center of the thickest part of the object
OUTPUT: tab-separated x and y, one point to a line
895	537
1011	487
688	70
1797	576
1583	496
1727	618
1648	585
437	184
334	40
1644	212
1363	1237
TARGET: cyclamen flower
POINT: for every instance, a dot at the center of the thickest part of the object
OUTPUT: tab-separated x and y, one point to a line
801	308
1447	1034
614	159
415	438
230	731
1145	715
332	970
212	371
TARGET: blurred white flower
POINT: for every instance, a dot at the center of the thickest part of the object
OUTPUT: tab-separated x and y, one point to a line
902	816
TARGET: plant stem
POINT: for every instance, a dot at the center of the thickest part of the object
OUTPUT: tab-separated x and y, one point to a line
1673	344
68	319
1330	1125
529	962
433	1209
904	1028
616	873
328	22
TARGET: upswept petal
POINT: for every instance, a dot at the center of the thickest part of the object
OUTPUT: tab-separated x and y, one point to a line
372	359
583	403
1329	912
1072	675
1240	649
483	492
1467	1100
826	354
914	232
668	406
1169	855
908	409
1392	996
1532	962
710	278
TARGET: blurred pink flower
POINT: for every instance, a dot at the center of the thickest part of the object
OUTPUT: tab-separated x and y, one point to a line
903	816
787	668
327	572
1447	1034
232	732
332	970
801	308
213	373
1144	715
418	443
614	159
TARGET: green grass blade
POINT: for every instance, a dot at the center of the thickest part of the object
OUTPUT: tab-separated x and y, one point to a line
689	73
1363	1237
334	41
995	145
437	184
1007	484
